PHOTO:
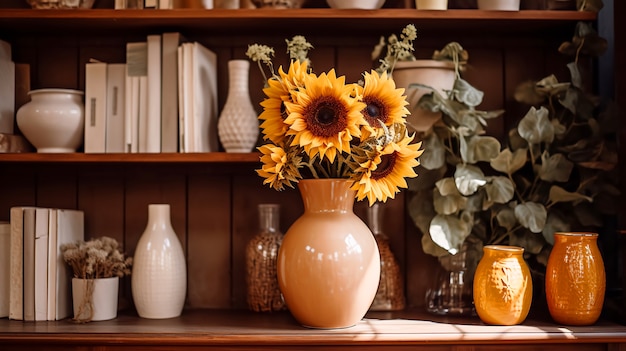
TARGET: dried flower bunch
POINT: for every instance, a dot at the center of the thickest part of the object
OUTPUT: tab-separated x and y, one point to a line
97	258
319	126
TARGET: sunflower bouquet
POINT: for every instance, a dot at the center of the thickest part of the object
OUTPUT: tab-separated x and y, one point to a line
320	126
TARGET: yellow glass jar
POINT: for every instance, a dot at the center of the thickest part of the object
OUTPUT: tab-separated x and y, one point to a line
575	279
502	286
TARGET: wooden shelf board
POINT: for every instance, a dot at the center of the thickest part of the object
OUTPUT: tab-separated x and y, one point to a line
212	157
242	20
239	327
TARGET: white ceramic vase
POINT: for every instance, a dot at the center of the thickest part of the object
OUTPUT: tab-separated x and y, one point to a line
431	4
159	277
103	294
499	5
238	125
53	121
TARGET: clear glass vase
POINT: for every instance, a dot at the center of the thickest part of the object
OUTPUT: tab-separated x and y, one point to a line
451	293
390	293
263	293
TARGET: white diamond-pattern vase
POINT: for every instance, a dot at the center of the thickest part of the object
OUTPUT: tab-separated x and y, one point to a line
159	276
238	126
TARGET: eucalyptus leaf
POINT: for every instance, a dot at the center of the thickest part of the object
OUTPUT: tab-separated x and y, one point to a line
531	242
535	127
574	73
434	155
449	232
550	86
447	186
531	215
484	148
554	223
506	218
429	246
449	204
509	162
499	189
558	194
555	168
527	93
468	179
421	210
466	93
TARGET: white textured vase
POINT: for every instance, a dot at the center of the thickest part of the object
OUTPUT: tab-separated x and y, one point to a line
53	121
238	125
159	277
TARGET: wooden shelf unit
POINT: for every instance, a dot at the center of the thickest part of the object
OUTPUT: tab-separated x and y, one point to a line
214	196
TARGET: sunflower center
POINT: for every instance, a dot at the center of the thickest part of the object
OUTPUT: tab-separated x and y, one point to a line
374	112
385	167
326	117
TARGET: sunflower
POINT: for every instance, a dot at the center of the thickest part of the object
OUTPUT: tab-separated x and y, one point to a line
384	103
324	115
278	91
280	166
382	177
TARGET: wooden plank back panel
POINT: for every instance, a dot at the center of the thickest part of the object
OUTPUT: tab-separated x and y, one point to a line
17	188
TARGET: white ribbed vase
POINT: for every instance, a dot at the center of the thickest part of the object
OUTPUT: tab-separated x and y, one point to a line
238	126
159	277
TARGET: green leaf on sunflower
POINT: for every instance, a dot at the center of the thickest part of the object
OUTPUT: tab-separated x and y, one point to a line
509	162
468	179
554	223
466	93
449	232
535	127
555	168
499	189
506	218
531	215
558	194
434	155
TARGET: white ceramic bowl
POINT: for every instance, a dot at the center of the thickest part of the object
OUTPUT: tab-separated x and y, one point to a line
61	4
355	4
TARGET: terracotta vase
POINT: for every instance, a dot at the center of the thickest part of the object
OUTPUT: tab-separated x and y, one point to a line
430	74
328	262
503	286
159	277
575	279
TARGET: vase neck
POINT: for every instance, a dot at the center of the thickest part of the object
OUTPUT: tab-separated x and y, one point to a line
571	237
238	76
159	216
269	218
327	195
374	218
503	251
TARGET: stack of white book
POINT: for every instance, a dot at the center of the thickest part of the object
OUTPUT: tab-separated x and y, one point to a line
162	99
40	281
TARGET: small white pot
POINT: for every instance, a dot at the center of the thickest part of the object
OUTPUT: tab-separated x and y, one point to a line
499	5
53	121
104	299
431	4
355	4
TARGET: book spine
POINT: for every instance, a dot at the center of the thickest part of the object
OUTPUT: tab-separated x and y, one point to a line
95	107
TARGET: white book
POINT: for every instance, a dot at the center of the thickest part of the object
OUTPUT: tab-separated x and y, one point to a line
153	96
7	89
169	91
136	71
29	264
182	105
52	265
70	228
41	264
188	97
95	106
205	114
5	262
116	83
166	4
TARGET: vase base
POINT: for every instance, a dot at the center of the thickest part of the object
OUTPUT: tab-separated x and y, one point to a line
55	150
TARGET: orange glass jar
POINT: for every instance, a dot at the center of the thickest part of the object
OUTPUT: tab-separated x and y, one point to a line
503	286
575	279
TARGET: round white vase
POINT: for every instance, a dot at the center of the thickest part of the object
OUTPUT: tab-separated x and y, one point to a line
53	121
159	277
238	125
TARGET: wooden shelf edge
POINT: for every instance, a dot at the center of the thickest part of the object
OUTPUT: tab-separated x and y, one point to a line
211	157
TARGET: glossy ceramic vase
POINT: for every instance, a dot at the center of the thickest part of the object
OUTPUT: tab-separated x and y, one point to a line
451	292
430	74
159	276
95	299
53	121
263	293
238	126
328	263
502	286
390	293
575	279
